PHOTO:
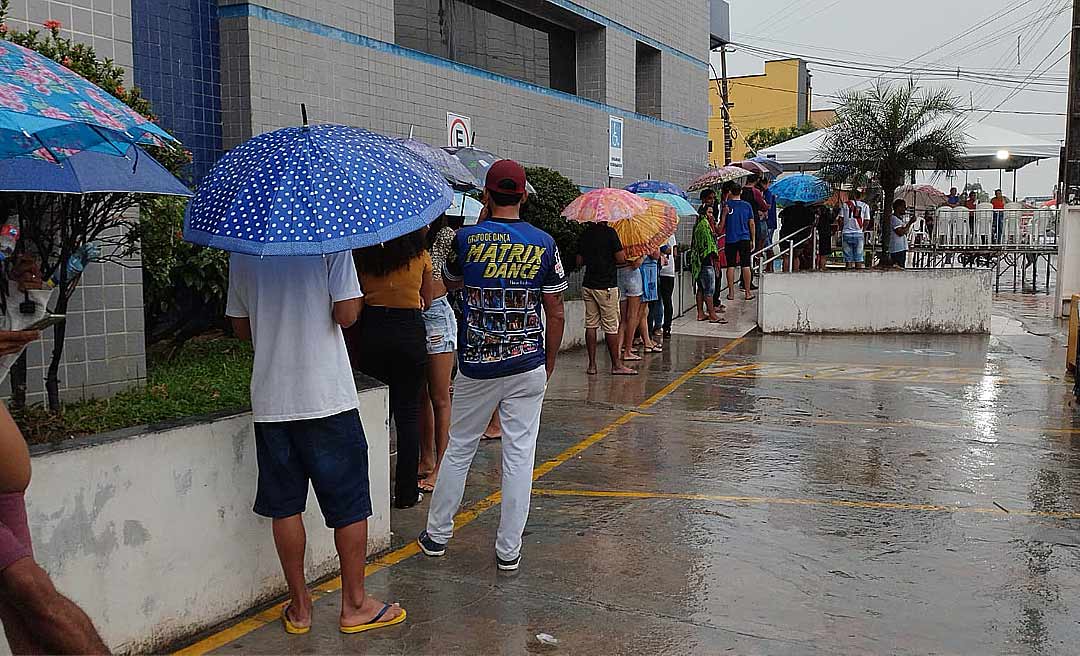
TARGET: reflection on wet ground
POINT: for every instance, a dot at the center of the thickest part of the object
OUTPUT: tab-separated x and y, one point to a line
772	495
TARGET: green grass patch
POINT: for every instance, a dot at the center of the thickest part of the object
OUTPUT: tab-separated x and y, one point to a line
207	375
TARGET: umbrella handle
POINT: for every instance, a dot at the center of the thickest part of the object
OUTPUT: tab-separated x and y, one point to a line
303	113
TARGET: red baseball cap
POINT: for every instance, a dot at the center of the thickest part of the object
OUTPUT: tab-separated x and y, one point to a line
506	177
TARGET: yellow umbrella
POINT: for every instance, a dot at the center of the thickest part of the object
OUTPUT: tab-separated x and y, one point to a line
644	233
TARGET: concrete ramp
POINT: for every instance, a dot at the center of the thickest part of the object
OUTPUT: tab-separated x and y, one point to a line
942	301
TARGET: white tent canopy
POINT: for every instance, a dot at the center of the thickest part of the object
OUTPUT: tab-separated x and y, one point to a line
983	145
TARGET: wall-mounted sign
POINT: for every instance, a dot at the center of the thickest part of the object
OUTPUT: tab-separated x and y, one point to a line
615	147
458	130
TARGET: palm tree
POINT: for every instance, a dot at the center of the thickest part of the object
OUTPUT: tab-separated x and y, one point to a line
890	130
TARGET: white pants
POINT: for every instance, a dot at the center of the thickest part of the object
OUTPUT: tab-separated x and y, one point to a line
519	399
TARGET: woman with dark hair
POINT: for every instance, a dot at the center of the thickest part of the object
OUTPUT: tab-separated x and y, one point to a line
388	342
442	340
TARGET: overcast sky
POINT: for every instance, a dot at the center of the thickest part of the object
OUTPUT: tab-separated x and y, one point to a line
875	34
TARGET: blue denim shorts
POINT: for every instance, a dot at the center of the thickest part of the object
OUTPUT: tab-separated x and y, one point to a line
706	282
630	283
853	248
330	452
441	326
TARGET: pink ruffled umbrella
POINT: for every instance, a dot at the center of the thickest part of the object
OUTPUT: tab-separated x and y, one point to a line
921	196
605	205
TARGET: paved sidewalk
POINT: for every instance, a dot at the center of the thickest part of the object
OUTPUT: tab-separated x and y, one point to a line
765	495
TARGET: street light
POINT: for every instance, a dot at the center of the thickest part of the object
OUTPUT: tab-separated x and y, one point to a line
1003	155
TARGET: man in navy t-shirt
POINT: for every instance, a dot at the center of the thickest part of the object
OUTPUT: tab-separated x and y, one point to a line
740	230
510	270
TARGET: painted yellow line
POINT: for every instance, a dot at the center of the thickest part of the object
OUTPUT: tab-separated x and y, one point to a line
273	614
835	503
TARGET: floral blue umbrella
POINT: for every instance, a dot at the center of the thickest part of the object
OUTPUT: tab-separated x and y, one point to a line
655	187
801	188
49	112
312	191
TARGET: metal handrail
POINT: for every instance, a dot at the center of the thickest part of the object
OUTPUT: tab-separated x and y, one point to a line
790	250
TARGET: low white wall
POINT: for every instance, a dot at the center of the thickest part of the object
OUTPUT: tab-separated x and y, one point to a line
874	301
153	534
574	325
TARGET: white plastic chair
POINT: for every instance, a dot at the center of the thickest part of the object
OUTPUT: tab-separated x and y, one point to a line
1013	219
984	224
942	226
1040	227
961	226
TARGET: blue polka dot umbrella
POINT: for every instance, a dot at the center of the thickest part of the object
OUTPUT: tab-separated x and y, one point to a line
313	191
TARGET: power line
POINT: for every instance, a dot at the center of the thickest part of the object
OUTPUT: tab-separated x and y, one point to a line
840	97
962	79
1021	86
871	67
993	18
1040	32
988	39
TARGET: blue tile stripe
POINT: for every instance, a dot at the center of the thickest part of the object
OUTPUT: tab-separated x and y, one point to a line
607	22
248	10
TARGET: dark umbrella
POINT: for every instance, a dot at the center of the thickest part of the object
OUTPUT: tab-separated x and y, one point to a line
775	167
451	168
478	162
90	172
753	166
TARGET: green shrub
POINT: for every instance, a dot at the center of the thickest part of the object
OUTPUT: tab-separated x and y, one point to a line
554	192
180	280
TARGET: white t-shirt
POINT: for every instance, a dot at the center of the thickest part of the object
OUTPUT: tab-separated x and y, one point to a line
851	226
897	243
668	270
301	366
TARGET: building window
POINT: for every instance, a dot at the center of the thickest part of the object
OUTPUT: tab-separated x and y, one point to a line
647	75
492	36
710	145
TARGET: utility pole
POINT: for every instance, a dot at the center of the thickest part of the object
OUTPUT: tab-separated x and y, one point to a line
1071	181
724	105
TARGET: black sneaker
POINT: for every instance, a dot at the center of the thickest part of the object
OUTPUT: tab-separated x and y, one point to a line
508	565
429	546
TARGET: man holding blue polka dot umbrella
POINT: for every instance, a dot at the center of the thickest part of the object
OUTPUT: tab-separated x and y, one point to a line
291	205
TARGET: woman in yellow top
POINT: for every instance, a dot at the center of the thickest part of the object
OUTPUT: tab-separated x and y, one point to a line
389	341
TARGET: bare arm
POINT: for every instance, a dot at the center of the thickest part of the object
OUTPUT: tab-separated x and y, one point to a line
426	289
556	320
620	258
347	312
241	328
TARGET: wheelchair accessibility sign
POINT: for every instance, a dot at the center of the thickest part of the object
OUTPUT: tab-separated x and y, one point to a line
615	147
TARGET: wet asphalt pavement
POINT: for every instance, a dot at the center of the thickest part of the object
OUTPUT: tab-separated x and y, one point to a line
771	495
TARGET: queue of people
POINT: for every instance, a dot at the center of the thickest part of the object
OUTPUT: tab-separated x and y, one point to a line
730	227
385	311
630	300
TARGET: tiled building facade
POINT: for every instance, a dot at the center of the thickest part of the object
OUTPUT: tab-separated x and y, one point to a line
537	78
367	63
